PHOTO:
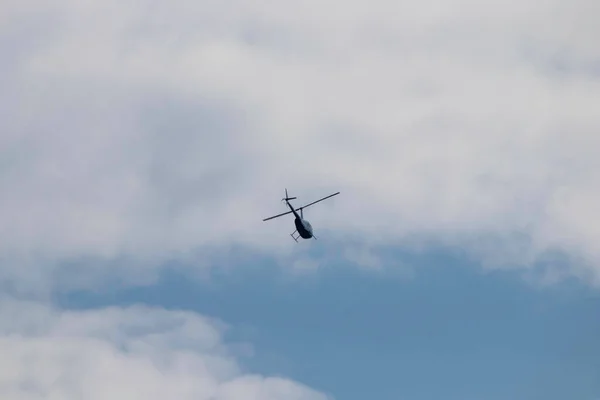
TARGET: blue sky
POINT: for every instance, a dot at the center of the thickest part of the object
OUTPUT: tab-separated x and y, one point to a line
450	331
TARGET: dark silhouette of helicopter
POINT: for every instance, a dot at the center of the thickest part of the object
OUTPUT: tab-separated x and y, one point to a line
303	227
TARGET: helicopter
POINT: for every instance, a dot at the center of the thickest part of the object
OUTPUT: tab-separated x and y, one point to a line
303	228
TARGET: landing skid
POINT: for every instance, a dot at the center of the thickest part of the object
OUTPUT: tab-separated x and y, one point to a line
295	237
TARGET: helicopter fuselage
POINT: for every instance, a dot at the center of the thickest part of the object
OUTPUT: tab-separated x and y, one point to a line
304	228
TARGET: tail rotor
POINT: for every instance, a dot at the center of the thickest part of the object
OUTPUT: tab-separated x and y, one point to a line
286	198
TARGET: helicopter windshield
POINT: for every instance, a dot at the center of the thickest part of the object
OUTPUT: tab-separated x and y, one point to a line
307	225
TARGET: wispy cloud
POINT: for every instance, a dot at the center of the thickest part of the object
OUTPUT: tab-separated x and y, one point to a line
125	353
144	130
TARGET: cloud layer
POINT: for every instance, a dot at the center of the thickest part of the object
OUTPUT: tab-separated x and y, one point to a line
125	353
143	131
134	133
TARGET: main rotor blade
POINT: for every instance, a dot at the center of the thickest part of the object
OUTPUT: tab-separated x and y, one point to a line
300	208
278	215
310	204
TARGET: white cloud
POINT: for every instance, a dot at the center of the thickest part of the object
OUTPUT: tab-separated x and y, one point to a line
125	353
145	130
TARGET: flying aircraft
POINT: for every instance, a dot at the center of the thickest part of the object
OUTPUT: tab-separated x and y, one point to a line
303	228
